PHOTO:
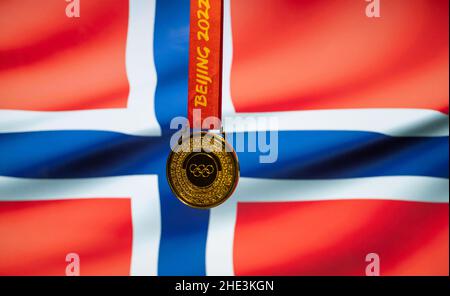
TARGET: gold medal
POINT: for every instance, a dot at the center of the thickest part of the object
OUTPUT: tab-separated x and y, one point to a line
203	171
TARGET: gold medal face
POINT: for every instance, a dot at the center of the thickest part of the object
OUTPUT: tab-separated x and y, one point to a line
201	172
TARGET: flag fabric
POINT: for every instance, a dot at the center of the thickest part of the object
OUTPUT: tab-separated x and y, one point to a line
362	107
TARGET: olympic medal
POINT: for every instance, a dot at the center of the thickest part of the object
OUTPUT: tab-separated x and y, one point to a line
203	171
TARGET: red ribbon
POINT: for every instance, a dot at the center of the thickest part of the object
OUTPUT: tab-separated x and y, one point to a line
205	63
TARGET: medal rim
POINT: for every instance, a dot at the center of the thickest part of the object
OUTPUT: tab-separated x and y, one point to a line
236	171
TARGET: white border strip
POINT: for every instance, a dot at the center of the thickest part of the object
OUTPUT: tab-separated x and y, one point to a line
390	121
138	118
145	206
222	221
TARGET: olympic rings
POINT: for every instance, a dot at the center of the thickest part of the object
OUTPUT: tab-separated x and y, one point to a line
201	170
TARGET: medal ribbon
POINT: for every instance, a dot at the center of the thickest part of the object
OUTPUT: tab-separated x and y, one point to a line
205	63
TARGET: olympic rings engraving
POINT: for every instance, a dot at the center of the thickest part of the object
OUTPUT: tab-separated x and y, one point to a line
201	170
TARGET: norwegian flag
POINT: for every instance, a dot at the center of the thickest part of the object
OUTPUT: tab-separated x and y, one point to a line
362	104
